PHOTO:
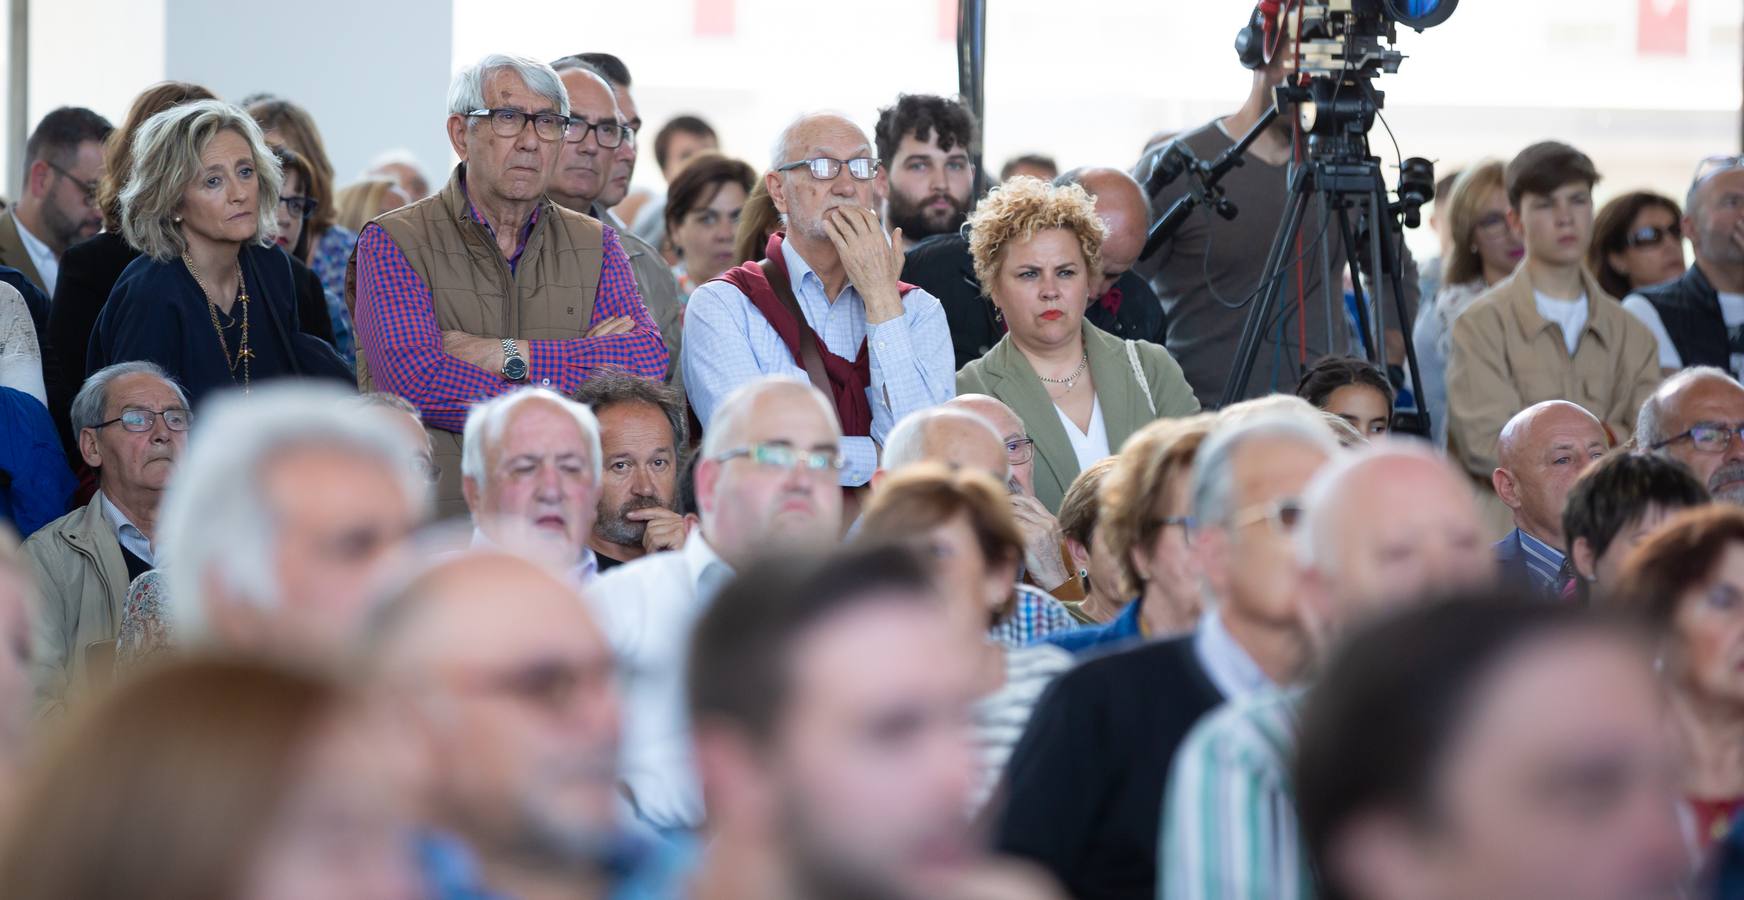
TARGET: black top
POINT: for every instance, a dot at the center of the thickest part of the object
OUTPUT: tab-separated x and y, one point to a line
89	270
1085	783
942	266
1689	308
135	566
605	562
158	312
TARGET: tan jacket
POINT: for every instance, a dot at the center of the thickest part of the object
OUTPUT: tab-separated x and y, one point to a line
549	296
1505	357
12	252
1127	404
83	580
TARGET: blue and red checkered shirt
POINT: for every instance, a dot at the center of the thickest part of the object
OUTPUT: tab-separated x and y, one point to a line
399	336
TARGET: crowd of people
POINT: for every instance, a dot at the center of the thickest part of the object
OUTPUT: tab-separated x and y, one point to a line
853	525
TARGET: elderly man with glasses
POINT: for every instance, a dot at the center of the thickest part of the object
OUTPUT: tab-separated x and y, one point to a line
1699	318
825	304
488	284
1697	418
765	485
132	423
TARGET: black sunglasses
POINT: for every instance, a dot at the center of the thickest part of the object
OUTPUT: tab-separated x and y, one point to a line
1652	235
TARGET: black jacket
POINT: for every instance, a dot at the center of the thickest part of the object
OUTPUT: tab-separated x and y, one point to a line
942	266
1085	783
1689	307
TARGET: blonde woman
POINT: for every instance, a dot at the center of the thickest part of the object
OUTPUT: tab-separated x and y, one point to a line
360	203
210	299
1079	390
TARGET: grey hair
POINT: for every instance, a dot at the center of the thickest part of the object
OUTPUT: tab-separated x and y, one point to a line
608	386
385	400
778	153
1213	484
486	421
217	523
166	161
1649	424
93	396
723	427
466	93
906	443
1315	537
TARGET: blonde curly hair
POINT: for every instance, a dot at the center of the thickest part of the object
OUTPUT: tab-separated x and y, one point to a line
1015	211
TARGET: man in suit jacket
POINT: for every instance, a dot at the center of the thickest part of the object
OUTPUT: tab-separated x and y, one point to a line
63	159
1542	450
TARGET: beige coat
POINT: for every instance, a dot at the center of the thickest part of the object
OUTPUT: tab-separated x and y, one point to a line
83	579
1506	357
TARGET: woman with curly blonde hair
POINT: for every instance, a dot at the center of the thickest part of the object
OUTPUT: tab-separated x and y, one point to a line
1079	390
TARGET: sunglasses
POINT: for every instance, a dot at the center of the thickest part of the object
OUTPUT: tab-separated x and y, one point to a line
1651	235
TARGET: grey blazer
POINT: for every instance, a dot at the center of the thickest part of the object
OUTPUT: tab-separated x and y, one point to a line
1006	374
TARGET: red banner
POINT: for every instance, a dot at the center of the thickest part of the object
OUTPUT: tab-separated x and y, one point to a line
714	18
1662	27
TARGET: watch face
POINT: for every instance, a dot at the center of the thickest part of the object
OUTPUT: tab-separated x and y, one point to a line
515	368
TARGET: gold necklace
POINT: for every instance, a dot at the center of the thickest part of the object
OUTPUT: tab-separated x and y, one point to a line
1070	381
244	354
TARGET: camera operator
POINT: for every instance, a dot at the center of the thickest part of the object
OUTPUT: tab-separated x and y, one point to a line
1209	275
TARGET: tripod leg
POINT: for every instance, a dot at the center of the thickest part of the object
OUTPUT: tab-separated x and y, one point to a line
1390	257
1348	235
1272	284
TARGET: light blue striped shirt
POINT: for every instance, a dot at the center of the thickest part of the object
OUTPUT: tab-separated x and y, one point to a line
727	343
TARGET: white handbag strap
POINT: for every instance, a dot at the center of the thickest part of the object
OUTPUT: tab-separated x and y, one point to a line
1138	374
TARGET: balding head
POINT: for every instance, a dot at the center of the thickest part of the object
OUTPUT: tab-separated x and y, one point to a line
1010	428
749	504
1122	205
955	437
1540	453
514	682
1701	396
803	200
1383	524
584	167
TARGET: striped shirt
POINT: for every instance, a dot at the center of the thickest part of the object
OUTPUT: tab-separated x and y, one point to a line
1034	616
1000	717
1228	824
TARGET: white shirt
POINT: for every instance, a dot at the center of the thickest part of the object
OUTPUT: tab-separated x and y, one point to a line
1228	665
581	574
647	608
1731	311
1000	717
127	533
1571	315
47	264
1087	446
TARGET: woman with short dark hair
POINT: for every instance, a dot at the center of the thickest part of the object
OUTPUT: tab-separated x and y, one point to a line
703	205
1637	243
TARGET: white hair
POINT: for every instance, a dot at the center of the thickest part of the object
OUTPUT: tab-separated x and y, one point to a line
1213	484
217	523
1649	429
1317	537
723	427
778	153
906	444
486	421
93	397
467	92
398	156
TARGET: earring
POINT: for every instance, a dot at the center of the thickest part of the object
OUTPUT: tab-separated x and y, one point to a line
1083	573
176	219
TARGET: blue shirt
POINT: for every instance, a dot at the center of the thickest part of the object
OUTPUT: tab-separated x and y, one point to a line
638	869
727	343
1542	561
1119	630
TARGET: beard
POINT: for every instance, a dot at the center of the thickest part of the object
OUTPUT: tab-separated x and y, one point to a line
613	526
1727	483
919	219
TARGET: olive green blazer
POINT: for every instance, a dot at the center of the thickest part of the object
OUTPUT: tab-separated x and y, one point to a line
1006	374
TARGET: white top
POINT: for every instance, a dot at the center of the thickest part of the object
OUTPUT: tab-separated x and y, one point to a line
20	357
1570	314
1001	716
1226	663
1731	310
647	608
46	263
581	574
1091	446
126	533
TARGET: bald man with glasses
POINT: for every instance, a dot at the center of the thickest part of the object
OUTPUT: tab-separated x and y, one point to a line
825	305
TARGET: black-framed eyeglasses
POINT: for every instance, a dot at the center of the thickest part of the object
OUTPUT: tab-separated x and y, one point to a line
1708	437
89	188
139	421
301	207
608	133
788	458
1651	235
1020	450
826	168
506	122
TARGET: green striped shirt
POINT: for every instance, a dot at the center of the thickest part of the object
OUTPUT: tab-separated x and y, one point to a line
1229	822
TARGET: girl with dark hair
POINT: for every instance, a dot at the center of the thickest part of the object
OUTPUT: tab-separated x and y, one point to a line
1352	389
